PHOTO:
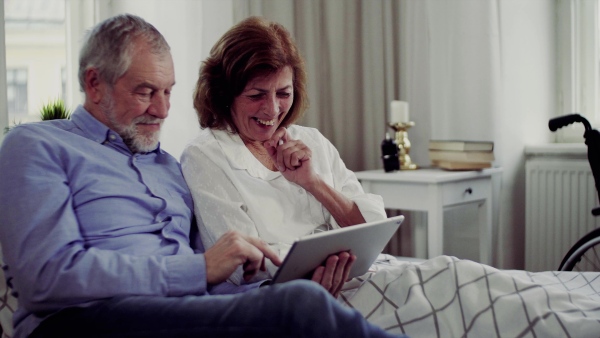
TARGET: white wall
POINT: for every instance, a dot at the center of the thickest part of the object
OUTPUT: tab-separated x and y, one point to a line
529	100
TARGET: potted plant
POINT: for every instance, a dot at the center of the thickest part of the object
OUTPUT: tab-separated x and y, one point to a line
53	110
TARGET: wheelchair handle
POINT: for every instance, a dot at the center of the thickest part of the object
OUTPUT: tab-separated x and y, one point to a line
565	120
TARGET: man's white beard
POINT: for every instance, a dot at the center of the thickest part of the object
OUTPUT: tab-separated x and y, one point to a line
135	141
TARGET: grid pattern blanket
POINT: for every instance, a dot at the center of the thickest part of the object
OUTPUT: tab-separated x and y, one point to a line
449	297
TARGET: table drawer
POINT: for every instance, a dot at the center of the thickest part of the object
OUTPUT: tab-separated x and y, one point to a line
465	191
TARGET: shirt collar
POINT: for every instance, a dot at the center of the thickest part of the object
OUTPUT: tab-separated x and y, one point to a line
98	131
240	157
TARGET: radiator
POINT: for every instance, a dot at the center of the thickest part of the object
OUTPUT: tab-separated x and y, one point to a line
560	195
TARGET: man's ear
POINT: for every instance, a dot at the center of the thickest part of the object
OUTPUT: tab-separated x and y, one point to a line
94	86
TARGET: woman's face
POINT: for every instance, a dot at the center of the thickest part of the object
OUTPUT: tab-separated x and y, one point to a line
258	111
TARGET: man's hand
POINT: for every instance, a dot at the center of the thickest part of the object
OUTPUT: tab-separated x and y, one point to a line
234	249
335	273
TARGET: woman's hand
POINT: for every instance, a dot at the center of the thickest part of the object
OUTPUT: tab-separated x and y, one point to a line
292	158
335	273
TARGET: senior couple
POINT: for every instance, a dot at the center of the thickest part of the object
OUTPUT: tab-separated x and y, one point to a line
102	236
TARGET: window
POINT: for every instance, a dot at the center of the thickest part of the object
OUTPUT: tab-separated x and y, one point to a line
578	59
35	38
63	84
16	91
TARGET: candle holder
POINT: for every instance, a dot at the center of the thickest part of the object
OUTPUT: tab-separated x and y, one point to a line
401	129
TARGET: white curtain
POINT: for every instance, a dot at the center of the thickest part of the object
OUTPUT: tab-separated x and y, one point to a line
451	75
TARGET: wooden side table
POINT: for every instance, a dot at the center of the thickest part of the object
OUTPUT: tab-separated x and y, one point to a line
432	191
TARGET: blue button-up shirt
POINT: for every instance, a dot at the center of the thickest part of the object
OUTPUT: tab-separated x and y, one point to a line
83	218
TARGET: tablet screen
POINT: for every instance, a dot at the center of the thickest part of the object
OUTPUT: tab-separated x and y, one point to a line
366	241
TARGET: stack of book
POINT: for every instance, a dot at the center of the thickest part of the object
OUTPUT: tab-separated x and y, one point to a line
461	155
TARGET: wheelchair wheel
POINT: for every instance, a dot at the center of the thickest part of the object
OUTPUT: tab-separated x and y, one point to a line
584	255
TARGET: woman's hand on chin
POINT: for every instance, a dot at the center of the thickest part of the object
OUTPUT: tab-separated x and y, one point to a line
292	158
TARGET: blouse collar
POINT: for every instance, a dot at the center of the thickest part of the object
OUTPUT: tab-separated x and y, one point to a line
240	157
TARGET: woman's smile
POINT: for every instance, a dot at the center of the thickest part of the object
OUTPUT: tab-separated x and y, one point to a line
265	122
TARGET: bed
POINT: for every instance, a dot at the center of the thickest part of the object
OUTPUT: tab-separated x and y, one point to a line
449	297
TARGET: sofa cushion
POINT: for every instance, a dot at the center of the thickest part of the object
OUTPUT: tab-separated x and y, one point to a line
8	303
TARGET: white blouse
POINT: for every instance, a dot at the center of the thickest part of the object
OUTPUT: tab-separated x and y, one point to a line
232	190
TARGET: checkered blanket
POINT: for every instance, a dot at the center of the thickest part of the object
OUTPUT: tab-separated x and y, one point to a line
449	297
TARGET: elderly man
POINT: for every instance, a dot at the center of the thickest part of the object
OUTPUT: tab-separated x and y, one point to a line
96	220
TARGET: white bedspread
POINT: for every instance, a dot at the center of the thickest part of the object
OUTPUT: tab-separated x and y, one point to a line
448	297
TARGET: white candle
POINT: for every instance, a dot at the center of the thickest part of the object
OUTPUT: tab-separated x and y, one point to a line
399	112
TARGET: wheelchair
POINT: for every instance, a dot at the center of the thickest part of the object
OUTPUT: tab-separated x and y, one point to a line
584	255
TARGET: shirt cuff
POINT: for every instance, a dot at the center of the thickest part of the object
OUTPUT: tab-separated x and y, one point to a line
186	275
371	207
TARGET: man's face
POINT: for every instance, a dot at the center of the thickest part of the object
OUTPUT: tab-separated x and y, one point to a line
136	106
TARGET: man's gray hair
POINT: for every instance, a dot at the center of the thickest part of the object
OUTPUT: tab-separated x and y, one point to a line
108	46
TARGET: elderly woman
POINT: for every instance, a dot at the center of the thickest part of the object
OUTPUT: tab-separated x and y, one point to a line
255	171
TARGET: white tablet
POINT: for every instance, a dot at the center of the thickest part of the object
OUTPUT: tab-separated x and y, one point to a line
363	240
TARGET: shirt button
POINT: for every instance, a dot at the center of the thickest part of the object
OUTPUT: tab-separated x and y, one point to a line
112	137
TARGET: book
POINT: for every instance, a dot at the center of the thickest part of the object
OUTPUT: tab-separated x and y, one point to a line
450	165
458	145
461	156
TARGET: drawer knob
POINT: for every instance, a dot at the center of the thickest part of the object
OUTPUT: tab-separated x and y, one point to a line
469	191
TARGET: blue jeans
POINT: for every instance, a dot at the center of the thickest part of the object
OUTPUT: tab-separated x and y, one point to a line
293	309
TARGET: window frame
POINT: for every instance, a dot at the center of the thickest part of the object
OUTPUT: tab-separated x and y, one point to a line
79	16
3	86
578	65
16	72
